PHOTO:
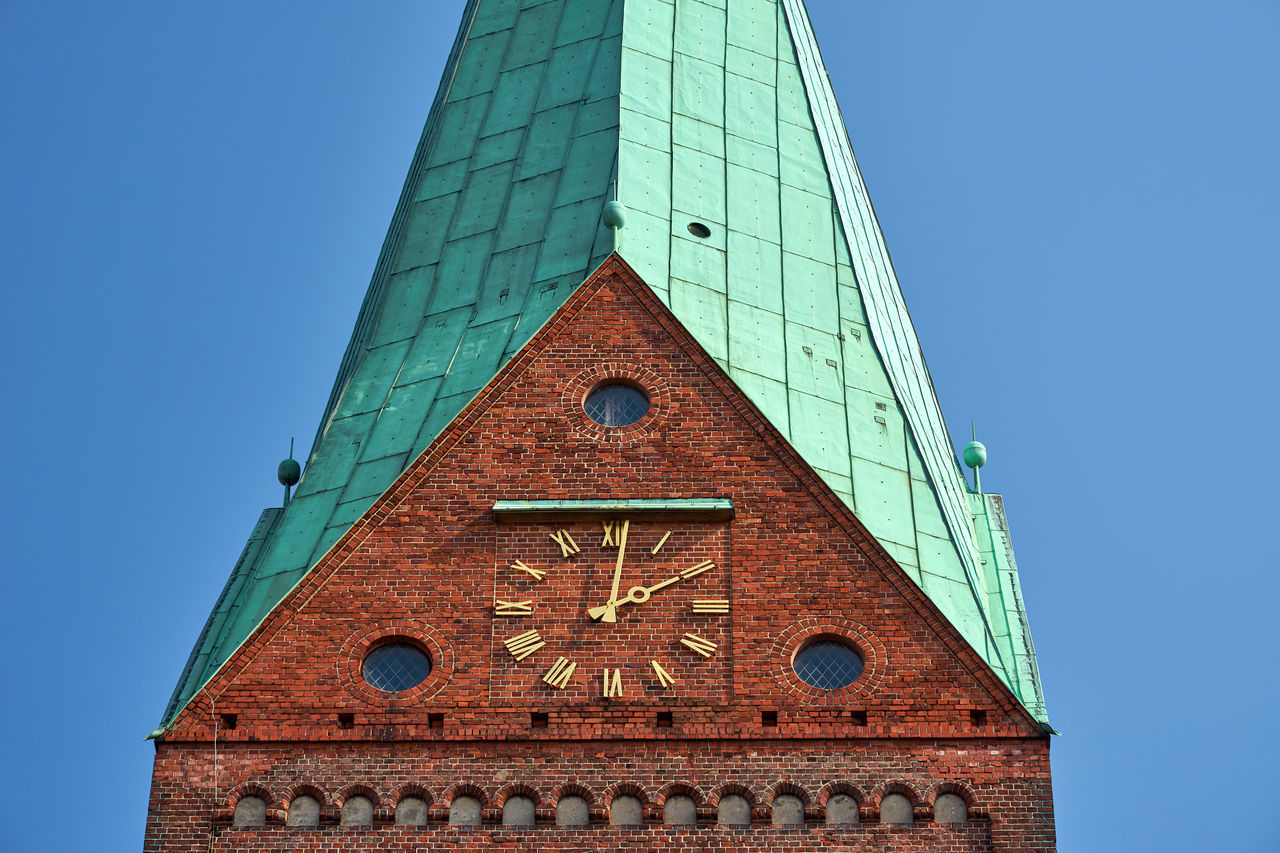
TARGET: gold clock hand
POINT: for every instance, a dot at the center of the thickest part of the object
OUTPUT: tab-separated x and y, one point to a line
641	594
608	612
638	591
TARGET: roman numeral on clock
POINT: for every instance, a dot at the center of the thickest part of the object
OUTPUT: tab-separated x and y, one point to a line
512	608
560	673
664	677
710	606
608	534
536	574
661	542
702	646
523	645
567	546
612	683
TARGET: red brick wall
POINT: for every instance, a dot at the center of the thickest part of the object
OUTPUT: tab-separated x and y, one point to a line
428	560
876	839
1005	783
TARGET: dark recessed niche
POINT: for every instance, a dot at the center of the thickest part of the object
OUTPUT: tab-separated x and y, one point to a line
699	230
346	721
858	718
769	719
665	720
977	717
228	721
435	721
538	720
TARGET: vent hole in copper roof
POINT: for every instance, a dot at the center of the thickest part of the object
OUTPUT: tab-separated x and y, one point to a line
699	230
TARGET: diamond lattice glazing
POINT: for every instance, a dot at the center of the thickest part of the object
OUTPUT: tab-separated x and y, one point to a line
396	667
616	405
828	664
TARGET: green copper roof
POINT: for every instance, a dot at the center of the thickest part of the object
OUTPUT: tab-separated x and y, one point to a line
715	112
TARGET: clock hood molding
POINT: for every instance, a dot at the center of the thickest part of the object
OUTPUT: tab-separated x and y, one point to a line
706	509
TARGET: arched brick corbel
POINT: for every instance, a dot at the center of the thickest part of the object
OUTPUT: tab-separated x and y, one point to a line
468	789
960	788
595	812
411	789
328	813
671	789
625	789
519	789
919	809
226	810
759	811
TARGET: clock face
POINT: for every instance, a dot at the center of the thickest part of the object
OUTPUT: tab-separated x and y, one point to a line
619	610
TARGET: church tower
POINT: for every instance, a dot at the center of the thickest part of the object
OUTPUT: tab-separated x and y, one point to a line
632	519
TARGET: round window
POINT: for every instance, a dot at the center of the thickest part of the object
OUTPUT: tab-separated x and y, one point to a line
828	664
396	667
616	404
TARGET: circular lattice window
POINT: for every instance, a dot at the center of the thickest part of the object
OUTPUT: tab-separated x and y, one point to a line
616	404
828	663
395	666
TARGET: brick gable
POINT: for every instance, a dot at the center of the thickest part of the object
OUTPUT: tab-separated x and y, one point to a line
426	553
428	559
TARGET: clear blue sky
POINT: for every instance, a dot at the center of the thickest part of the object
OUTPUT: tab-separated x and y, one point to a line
1081	200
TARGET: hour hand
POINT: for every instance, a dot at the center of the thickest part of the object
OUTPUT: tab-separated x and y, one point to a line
641	594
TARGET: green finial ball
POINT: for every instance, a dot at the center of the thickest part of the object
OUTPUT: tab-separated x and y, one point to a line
615	214
975	454
289	472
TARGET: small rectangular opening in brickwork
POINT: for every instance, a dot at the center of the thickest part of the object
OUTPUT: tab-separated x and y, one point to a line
537	720
346	721
665	720
977	717
858	718
435	721
769	719
228	721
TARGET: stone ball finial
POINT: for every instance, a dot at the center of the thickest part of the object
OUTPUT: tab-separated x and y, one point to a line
975	454
289	472
615	214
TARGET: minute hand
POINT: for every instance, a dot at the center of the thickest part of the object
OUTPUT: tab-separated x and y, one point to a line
609	612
